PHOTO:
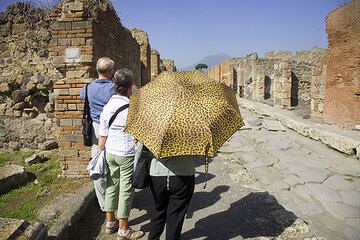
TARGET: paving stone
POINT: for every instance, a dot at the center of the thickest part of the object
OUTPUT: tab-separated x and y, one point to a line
292	180
324	193
342	211
246	126
317	163
294	168
338	182
236	149
273	125
256	164
298	204
315	238
351	197
247	157
303	191
313	176
354	223
265	175
351	233
277	186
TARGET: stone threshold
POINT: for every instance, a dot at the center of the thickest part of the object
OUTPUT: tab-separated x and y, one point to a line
345	143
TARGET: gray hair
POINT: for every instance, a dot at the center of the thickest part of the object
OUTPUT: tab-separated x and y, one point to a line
104	65
122	80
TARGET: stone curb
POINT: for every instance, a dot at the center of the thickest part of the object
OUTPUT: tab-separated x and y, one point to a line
336	141
67	210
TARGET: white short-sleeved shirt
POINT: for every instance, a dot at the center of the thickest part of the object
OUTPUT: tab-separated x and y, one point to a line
118	142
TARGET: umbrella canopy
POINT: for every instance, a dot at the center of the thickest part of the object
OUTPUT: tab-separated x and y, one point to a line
183	113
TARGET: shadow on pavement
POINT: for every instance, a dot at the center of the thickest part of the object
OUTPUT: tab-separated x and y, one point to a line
201	200
257	214
143	200
90	225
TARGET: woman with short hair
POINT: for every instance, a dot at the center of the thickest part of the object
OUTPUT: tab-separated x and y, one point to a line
120	150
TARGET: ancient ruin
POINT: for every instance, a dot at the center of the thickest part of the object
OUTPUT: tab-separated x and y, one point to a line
306	189
46	58
342	89
279	78
322	83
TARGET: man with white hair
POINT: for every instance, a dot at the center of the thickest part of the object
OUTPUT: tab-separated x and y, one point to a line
99	92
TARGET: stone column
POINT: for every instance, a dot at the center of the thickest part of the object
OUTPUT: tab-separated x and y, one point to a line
282	88
318	79
155	63
145	54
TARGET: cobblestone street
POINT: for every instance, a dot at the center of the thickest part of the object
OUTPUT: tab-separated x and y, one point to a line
263	185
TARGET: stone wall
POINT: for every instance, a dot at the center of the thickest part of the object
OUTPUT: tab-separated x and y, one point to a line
342	91
279	78
145	54
167	65
26	78
155	63
80	36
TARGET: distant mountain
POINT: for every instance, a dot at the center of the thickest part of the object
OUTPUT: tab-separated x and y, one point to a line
210	61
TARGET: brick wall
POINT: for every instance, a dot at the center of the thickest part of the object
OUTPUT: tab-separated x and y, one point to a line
342	91
80	36
221	73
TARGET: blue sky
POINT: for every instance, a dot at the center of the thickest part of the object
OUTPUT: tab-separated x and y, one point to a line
189	30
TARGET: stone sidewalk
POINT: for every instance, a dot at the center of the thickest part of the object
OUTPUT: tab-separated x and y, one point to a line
320	185
343	140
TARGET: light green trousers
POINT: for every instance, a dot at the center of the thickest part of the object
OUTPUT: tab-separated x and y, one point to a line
119	192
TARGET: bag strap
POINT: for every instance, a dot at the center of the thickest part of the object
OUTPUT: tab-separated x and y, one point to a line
116	113
86	104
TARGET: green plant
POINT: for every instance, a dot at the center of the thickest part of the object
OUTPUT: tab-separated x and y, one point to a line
14	157
26	201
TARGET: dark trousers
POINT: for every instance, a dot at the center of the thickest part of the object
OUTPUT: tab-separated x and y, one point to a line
170	205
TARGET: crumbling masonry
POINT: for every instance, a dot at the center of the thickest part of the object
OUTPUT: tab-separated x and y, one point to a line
46	58
320	83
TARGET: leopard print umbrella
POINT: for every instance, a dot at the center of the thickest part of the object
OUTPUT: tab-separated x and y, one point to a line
183	113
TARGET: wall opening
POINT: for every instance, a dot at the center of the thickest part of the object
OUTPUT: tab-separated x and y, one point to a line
235	82
294	90
267	87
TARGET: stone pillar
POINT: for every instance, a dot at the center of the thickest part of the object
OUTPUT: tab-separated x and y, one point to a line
155	63
72	54
282	88
145	54
318	79
169	65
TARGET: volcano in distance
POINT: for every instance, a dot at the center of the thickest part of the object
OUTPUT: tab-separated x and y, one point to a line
210	61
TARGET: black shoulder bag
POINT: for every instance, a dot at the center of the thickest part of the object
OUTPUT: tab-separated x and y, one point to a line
87	127
141	176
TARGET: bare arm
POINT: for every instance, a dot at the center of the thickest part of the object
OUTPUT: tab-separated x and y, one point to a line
102	141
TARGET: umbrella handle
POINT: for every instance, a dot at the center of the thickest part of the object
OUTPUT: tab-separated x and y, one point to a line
206	164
